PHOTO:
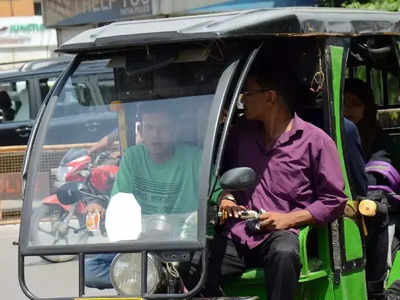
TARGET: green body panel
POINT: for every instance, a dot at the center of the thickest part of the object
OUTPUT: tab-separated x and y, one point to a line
352	286
315	279
336	65
250	283
320	289
394	271
352	240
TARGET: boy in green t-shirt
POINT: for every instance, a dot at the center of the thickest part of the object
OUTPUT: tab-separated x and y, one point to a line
162	174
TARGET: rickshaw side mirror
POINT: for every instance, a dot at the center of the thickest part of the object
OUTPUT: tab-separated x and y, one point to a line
238	179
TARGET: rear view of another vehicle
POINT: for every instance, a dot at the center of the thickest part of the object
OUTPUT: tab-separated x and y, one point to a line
81	114
17	112
23	90
21	93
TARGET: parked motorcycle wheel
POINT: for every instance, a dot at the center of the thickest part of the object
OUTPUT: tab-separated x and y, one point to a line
49	227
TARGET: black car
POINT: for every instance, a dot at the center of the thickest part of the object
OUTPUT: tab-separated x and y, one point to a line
22	92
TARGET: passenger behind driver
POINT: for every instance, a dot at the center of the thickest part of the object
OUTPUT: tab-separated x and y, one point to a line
161	173
360	108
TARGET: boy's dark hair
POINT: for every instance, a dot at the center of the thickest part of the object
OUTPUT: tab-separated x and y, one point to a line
159	106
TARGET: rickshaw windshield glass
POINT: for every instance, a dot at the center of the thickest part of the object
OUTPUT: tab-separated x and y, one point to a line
121	153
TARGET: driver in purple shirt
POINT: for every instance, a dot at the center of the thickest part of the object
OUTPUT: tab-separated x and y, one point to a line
299	182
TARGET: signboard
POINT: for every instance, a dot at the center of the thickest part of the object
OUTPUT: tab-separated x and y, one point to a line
16	32
10	186
80	12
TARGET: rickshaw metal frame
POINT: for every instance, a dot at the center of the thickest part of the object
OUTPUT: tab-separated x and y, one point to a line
139	246
351	265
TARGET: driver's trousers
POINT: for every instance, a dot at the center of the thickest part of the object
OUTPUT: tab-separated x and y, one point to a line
278	255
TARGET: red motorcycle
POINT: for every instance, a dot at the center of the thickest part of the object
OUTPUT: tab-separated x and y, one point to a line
61	218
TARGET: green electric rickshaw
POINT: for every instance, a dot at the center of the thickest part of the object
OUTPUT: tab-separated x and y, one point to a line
198	64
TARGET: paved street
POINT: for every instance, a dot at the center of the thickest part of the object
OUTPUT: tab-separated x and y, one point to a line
43	278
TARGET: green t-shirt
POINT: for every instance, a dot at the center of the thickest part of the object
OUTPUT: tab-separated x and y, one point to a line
169	187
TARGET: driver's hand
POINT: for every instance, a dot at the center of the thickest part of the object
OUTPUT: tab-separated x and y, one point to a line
229	209
272	220
94	207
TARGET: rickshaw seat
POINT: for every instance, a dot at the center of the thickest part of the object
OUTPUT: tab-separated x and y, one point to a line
314	263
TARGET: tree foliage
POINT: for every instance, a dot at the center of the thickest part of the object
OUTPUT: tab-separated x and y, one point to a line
389	5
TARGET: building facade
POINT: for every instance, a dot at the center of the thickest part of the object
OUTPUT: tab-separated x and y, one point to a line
22	33
69	17
20	8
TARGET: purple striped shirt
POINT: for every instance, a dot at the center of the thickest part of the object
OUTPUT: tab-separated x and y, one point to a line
300	171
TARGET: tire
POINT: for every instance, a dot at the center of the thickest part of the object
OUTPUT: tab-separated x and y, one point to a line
52	216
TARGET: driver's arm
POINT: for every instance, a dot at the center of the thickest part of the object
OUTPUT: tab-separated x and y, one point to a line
104	142
328	183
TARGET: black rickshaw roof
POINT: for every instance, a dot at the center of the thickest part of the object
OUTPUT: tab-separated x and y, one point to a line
298	21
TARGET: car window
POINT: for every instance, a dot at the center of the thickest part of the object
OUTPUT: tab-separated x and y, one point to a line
377	87
76	94
389	117
106	89
393	87
375	79
15	105
45	85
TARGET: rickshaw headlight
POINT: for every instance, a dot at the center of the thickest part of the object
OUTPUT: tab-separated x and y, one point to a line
126	274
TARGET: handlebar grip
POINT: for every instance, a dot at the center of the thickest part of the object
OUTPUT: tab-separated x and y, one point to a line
368	208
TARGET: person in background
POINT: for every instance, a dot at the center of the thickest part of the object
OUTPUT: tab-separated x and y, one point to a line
6	106
360	108
354	158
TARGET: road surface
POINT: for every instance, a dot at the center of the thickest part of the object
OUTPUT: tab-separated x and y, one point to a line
43	278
